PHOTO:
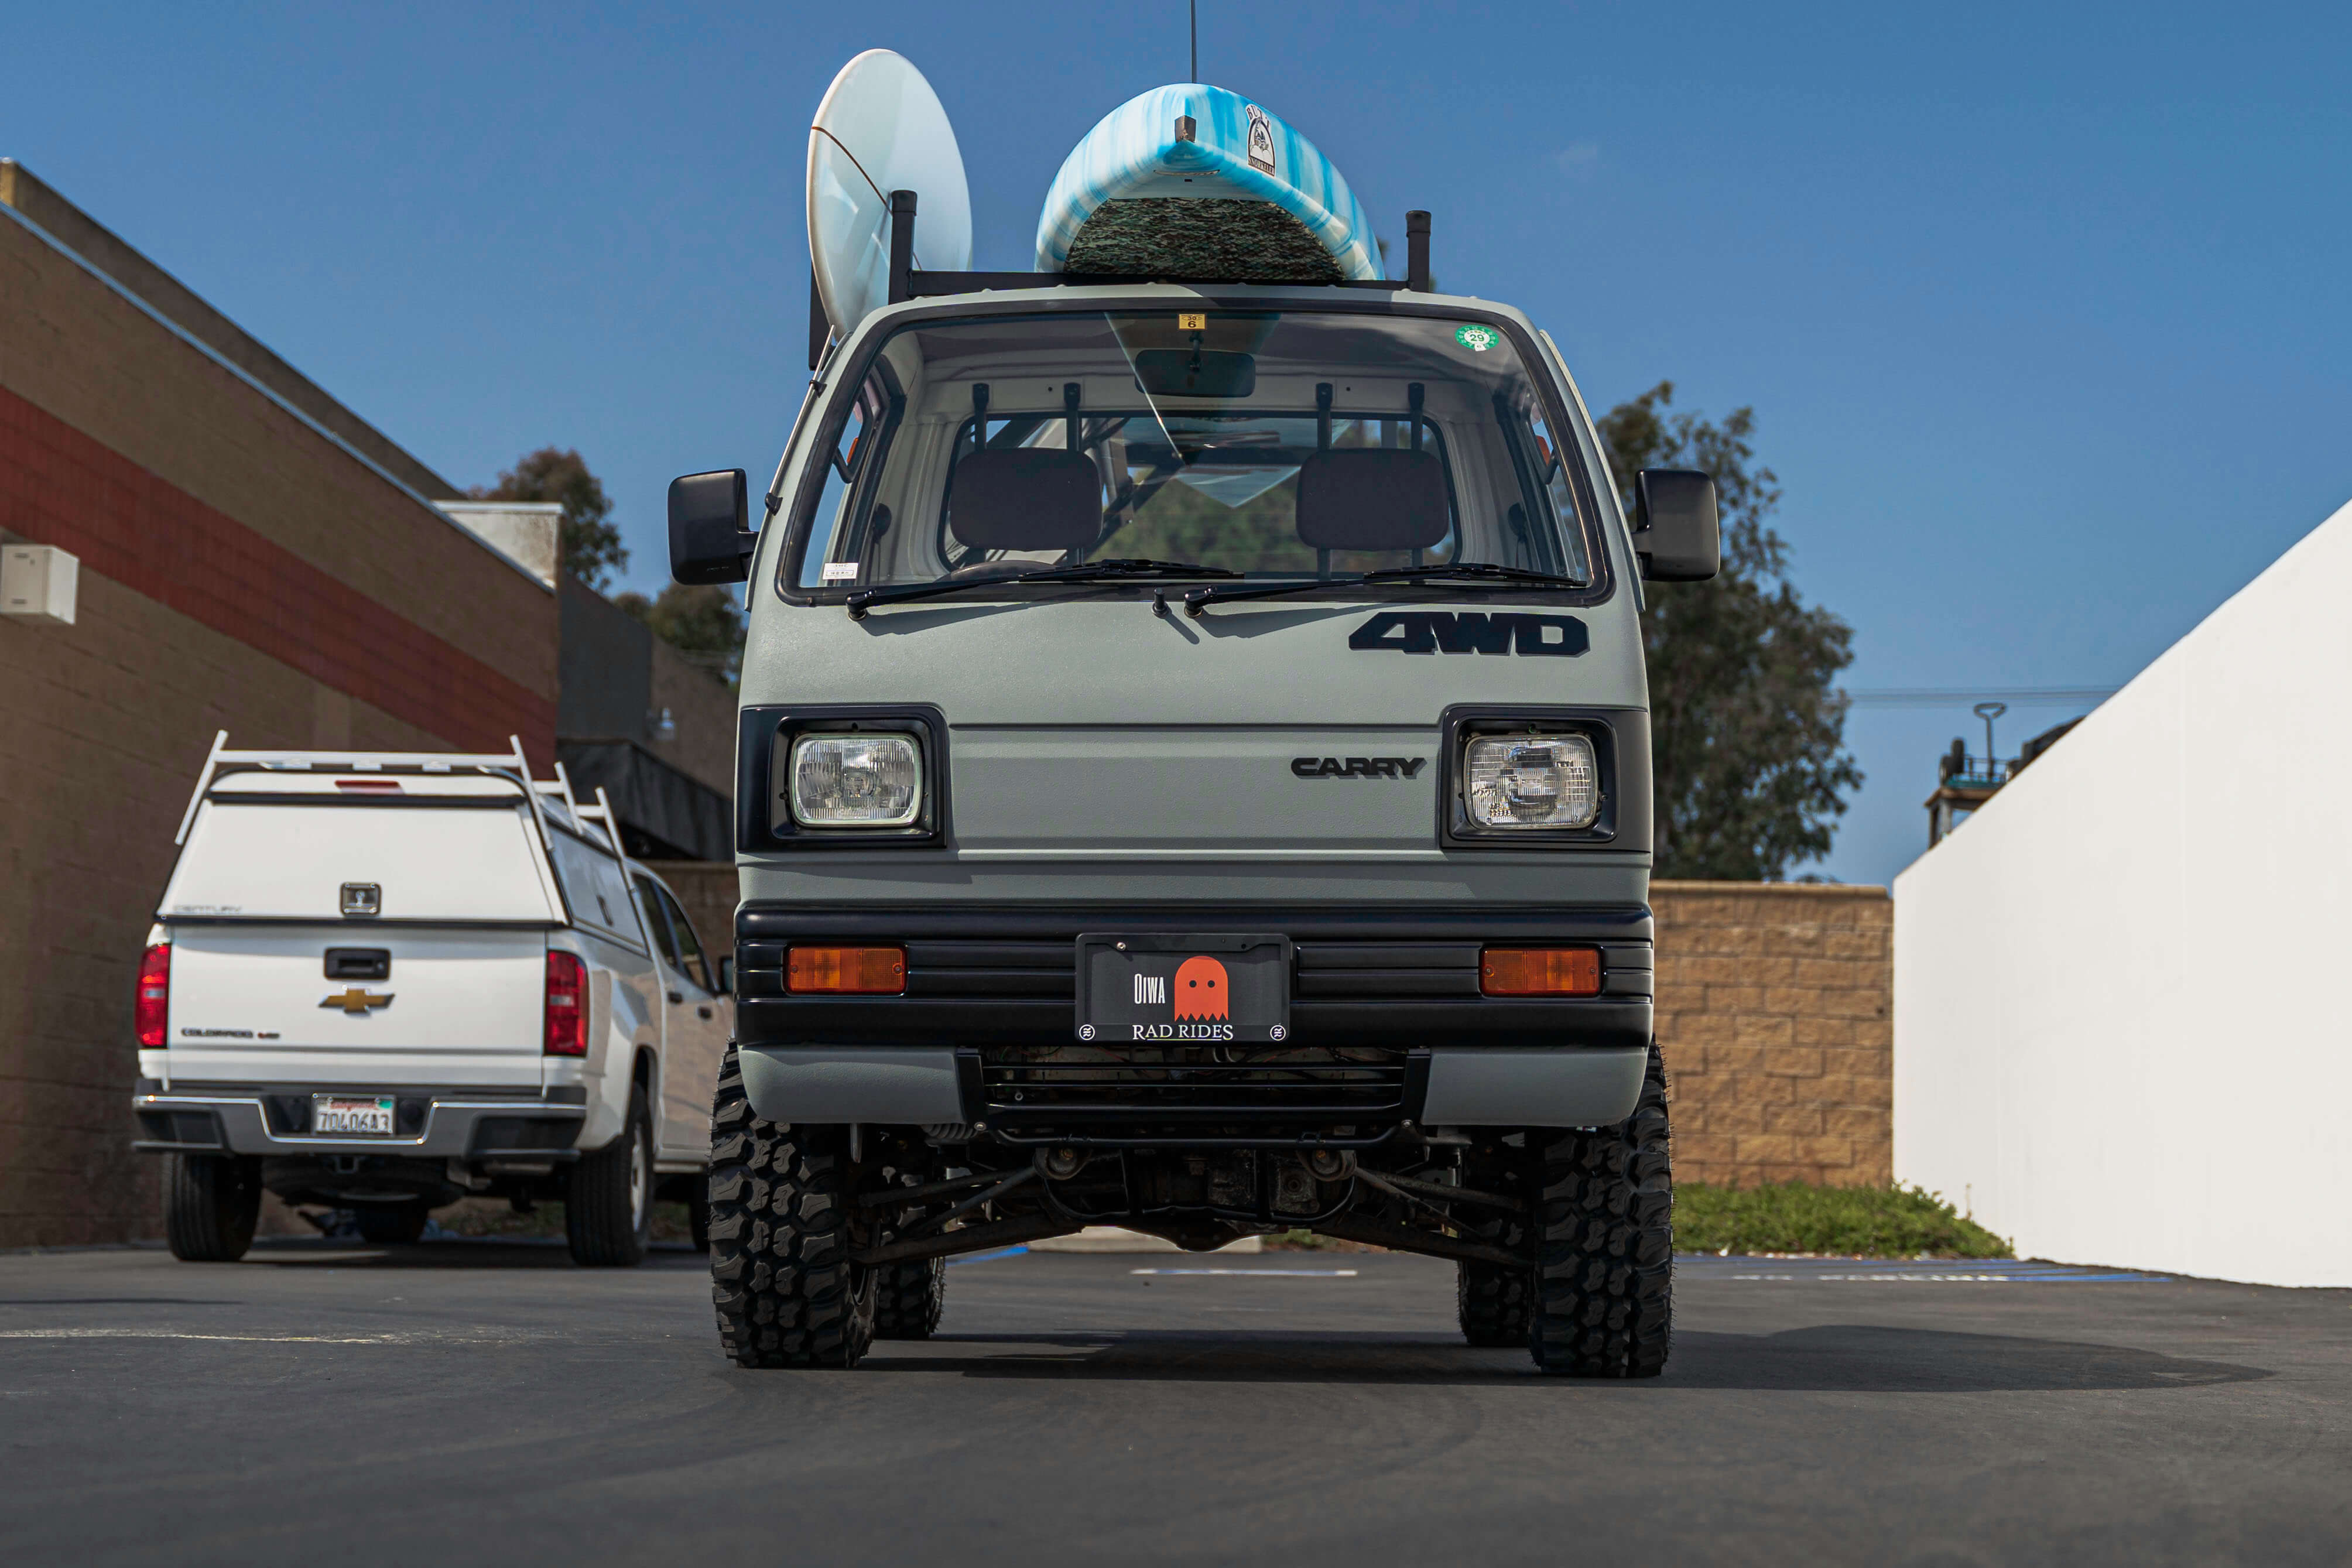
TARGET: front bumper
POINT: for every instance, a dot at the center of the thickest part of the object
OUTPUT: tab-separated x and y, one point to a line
1401	976
1388	1027
272	1119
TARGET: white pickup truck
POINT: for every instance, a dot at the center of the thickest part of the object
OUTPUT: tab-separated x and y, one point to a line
386	982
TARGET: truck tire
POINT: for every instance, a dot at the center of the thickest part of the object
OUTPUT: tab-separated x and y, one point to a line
1605	1287
608	1207
909	1299
391	1224
784	1289
1494	1304
211	1203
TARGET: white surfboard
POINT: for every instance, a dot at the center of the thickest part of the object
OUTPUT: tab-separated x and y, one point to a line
881	129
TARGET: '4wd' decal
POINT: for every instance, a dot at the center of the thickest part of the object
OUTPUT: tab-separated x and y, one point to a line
1472	631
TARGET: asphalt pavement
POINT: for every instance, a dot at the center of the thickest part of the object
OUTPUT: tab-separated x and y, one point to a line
463	1403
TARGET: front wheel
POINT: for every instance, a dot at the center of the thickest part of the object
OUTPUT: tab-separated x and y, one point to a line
1604	1282
781	1276
211	1205
608	1206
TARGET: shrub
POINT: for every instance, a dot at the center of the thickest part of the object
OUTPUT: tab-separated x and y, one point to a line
1867	1222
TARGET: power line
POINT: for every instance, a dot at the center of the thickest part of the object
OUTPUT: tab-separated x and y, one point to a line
1963	696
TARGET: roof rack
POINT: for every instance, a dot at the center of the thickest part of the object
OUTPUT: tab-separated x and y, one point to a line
221	759
908	283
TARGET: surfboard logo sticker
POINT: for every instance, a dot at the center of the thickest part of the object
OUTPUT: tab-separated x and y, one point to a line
1261	139
1477	338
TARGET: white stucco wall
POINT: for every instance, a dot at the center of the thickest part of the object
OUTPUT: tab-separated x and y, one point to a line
2123	990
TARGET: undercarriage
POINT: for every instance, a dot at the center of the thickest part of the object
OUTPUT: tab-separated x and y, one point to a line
1560	1234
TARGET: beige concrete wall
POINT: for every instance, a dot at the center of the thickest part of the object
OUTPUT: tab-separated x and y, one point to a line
1775	1004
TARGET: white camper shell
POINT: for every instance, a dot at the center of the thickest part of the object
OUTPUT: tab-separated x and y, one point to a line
385	981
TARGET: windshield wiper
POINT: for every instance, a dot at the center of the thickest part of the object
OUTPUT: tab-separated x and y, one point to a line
1084	572
1477	572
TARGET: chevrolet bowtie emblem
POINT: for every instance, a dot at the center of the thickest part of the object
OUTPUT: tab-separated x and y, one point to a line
356	1001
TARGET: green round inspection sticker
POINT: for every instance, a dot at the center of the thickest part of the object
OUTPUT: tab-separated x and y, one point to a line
1476	337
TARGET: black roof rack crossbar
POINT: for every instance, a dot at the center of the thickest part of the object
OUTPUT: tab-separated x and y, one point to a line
926	285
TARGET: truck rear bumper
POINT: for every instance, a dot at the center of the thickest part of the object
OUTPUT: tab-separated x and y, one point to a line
273	1119
1445	1087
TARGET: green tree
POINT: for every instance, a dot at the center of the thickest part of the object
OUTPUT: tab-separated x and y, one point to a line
589	545
1748	735
702	622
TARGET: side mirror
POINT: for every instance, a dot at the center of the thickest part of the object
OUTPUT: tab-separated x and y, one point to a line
711	539
1676	529
727	977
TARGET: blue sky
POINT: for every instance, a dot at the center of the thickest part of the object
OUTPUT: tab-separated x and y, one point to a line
2042	310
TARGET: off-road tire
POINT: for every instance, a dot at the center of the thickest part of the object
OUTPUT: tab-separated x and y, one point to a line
211	1203
608	1203
1494	1304
391	1224
1604	1287
909	1299
784	1289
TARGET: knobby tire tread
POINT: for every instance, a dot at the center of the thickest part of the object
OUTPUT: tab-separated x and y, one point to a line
783	1286
1604	1282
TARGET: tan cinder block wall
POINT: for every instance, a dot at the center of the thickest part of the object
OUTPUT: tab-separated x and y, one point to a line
1775	1019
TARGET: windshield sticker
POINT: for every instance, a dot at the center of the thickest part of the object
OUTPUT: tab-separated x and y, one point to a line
841	571
1477	337
1192	321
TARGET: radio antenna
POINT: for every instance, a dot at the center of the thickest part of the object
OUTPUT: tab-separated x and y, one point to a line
1192	11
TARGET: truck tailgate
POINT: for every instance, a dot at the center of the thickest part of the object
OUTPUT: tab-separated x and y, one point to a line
254	1004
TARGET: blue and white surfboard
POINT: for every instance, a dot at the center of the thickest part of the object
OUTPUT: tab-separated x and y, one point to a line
1193	182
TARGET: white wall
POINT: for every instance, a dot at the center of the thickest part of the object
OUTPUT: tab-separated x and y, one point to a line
2123	990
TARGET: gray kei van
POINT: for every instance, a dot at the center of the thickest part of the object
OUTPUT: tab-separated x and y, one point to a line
1193	776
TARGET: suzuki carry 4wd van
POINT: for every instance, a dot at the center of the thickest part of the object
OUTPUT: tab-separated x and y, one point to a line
1193	776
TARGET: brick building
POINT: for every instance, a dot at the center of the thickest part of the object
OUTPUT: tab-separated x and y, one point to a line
254	557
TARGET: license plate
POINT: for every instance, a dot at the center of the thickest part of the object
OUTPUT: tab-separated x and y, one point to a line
1202	987
351	1116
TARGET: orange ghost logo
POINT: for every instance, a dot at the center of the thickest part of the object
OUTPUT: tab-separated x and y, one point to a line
1200	989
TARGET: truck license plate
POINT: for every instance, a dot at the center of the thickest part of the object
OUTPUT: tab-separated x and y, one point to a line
1199	988
347	1116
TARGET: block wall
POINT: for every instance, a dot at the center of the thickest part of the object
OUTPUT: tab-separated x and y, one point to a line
1775	1020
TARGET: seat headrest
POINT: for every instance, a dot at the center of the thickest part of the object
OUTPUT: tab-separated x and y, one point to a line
1030	498
1371	498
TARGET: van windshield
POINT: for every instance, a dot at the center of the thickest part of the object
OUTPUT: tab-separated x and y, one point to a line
1274	445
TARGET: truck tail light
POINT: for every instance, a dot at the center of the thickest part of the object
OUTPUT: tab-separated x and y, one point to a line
1540	972
567	1005
154	1005
846	971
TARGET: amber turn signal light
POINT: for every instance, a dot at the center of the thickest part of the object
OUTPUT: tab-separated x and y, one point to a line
846	971
1540	972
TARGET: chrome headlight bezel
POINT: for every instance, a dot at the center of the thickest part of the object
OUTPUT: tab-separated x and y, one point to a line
1464	728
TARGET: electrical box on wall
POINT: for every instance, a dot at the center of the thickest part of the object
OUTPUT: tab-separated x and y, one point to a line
38	583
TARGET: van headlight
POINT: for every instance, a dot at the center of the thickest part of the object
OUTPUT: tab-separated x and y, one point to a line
856	780
1531	781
